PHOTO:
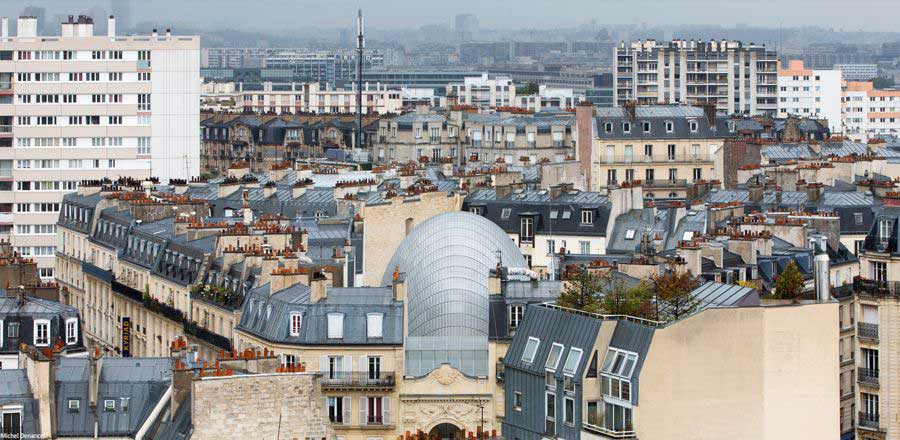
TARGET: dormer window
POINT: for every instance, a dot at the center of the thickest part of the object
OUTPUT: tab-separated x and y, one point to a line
587	217
694	126
516	313
645	126
296	324
374	325
554	356
670	127
531	348
572	361
71	331
626	127
41	332
608	127
335	326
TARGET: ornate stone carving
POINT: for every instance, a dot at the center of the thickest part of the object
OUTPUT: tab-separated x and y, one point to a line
446	375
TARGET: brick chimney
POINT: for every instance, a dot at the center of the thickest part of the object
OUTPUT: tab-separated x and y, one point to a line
319	288
755	192
813	192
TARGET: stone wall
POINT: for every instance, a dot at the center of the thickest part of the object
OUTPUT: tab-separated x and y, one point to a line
287	406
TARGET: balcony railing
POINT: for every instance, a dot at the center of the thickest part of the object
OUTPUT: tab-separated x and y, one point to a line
866	287
656	159
609	433
866	330
869	421
868	376
363	379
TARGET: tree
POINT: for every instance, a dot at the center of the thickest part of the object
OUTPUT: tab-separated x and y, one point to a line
789	283
619	299
583	291
530	89
881	82
672	292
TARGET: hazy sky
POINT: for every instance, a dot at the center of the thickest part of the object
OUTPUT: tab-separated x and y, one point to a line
873	15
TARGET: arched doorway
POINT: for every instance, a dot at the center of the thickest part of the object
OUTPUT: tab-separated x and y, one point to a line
446	431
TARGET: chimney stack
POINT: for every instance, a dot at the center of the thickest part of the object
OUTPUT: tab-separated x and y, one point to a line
168	32
154	33
111	27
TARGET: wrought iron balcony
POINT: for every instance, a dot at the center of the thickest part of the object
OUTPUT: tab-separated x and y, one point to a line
868	331
869	421
867	376
358	379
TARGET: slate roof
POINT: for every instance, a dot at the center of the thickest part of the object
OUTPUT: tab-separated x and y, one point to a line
15	389
657	116
560	215
268	316
549	326
139	381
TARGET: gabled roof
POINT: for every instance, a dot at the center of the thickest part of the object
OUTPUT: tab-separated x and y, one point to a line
551	326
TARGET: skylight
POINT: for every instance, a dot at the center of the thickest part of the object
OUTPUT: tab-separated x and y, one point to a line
572	361
530	351
629	234
553	358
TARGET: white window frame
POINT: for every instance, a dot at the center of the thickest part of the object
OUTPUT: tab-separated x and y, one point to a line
295	329
371	326
587	217
561	348
529	359
335	326
572	351
72	336
515	315
39	322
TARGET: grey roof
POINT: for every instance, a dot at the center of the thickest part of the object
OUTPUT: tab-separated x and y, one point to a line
657	116
553	326
268	315
140	381
414	117
447	260
15	389
714	295
560	215
636	338
794	151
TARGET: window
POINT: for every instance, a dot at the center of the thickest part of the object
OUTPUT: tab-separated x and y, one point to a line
670	127
550	414
587	217
592	366
617	418
618	365
698	173
374	325
593	413
554	356
71	331
374	367
339	410
629	234
879	271
74	405
296	323
289	360
626	127
517	401
41	332
516	313
585	247
569	411
572	361
12	423
531	348
694	126
505	213
526	230
109	405
645	126
551	246
648	150
335	326
123	403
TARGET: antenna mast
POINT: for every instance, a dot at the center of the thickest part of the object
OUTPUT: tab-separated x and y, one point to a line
360	44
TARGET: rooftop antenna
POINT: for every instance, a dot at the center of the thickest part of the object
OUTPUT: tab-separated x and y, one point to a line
360	44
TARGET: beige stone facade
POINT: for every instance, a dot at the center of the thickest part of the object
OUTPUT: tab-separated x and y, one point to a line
663	161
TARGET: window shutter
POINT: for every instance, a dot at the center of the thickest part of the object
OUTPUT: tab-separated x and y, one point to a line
386	410
347	408
348	367
323	364
325	399
363	368
363	419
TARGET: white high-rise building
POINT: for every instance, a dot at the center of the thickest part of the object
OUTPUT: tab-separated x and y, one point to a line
485	91
869	112
737	78
78	107
810	93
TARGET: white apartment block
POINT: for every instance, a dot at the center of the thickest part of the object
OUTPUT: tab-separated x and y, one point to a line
857	72
485	91
549	98
292	98
869	112
77	107
737	78
810	93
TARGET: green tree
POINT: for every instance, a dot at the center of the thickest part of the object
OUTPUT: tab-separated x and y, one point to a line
530	89
790	283
583	291
619	299
672	292
881	82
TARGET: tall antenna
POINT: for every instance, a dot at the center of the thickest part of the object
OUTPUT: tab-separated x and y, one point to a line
360	44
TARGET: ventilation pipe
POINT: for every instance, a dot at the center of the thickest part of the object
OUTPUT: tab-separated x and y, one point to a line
822	266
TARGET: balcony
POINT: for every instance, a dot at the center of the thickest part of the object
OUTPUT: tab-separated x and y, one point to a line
869	421
359	380
689	158
868	331
867	376
607	433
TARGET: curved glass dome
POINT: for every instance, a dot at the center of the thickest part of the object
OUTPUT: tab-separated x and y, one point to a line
447	260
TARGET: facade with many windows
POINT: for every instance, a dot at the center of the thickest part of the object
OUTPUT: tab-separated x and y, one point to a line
810	93
868	112
82	106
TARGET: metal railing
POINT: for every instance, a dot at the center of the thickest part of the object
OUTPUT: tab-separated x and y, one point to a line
608	432
866	330
635	319
867	376
637	158
869	421
358	379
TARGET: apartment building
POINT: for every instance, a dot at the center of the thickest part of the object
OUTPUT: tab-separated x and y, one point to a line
81	106
421	133
485	91
870	313
810	93
664	146
736	78
571	374
550	99
868	112
857	71
520	137
293	98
